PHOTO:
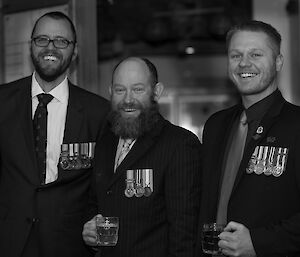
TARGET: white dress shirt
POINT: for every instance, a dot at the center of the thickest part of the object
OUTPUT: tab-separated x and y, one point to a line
120	154
57	111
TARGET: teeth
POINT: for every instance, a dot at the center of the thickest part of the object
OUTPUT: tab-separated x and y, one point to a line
50	58
129	110
248	75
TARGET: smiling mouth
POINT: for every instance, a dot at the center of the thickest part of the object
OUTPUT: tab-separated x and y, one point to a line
129	110
50	58
246	75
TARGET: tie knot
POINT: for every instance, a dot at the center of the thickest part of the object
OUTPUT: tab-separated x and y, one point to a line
127	142
243	118
44	99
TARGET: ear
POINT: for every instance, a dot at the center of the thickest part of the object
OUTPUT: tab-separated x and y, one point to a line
158	89
279	62
110	90
75	52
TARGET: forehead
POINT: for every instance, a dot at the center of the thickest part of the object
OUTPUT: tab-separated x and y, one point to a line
242	40
131	72
53	27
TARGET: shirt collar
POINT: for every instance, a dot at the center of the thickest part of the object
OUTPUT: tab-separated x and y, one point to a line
60	92
259	109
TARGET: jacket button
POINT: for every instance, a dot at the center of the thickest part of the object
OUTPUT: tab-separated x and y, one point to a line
109	192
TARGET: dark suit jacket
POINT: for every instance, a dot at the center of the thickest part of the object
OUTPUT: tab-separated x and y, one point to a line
55	209
163	224
267	205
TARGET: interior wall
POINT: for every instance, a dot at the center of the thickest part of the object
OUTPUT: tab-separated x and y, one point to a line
275	13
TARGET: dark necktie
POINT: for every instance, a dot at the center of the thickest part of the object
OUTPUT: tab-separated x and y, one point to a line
233	161
40	133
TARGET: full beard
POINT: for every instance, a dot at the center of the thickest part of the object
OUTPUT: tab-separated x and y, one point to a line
134	127
49	74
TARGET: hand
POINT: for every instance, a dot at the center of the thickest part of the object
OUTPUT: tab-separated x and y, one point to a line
235	240
89	233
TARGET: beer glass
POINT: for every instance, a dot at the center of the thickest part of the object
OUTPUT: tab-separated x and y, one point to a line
210	238
107	230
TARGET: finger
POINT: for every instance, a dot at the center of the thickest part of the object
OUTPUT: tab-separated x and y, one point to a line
226	245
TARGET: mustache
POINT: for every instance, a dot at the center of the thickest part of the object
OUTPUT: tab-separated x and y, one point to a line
130	106
50	52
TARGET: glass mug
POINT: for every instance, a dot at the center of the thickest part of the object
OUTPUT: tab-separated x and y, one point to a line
107	231
210	238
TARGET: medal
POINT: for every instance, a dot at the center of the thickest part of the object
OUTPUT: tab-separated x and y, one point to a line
129	190
148	175
269	165
77	161
64	157
139	189
252	161
259	167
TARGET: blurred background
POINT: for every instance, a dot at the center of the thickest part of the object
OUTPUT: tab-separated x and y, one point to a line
185	39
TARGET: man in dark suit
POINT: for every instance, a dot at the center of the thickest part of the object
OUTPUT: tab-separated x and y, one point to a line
43	190
154	189
261	210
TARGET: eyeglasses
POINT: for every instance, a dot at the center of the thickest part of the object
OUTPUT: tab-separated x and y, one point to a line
58	42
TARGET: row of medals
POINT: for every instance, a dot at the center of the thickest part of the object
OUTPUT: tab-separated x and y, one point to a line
77	155
138	183
268	160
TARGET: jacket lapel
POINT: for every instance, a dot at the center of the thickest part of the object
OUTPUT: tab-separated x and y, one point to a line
25	121
74	118
220	143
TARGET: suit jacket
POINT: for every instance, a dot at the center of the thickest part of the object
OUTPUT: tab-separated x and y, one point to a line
55	209
163	224
267	205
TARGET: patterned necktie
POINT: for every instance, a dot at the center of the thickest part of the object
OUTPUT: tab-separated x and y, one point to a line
124	151
40	133
233	161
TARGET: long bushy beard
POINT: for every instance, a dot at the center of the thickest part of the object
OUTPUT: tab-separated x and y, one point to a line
134	127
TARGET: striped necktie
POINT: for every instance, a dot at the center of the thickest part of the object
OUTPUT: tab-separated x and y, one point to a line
40	133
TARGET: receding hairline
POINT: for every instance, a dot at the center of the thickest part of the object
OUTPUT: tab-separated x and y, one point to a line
153	76
56	16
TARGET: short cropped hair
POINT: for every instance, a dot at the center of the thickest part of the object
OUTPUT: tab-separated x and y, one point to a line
57	16
150	65
257	26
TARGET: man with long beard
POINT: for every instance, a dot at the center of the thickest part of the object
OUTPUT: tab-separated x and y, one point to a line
147	171
42	118
251	178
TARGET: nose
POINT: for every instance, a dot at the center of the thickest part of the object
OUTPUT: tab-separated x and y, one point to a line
128	97
245	61
51	45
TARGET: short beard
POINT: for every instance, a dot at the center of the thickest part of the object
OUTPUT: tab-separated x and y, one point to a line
134	127
53	75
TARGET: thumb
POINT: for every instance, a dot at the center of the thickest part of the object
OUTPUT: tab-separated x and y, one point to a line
233	226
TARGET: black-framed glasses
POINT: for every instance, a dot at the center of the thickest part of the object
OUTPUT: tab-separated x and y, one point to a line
58	42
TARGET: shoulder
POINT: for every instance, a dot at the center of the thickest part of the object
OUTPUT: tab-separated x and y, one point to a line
9	90
178	134
86	97
221	116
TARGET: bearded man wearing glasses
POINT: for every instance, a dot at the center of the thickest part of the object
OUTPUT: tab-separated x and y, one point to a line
48	128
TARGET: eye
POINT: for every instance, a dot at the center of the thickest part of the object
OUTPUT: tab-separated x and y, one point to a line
119	90
138	90
256	55
235	56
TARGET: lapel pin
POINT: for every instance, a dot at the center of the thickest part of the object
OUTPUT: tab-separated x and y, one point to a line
259	130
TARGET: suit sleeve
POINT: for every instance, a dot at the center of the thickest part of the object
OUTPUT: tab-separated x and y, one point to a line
182	190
